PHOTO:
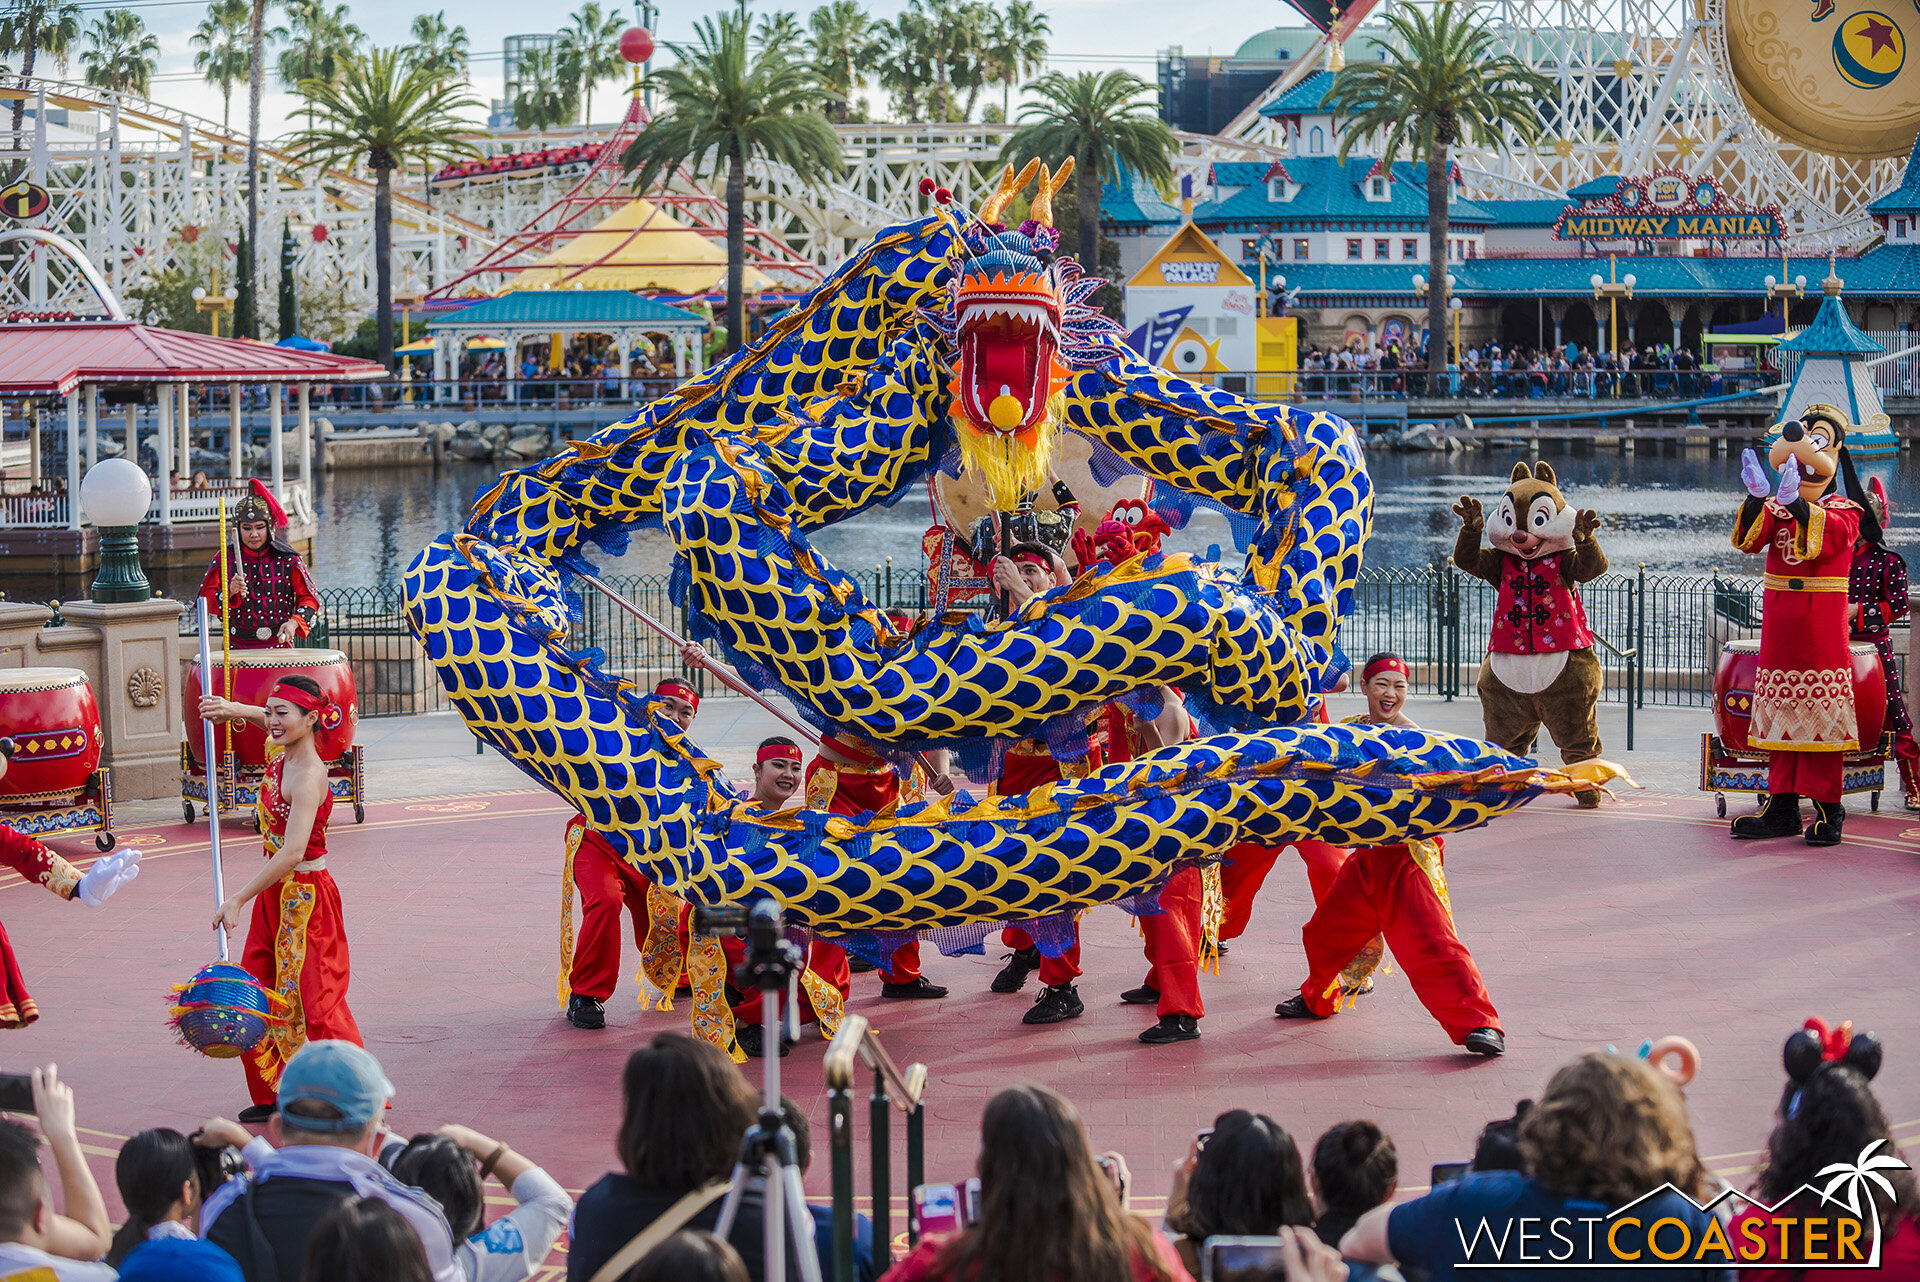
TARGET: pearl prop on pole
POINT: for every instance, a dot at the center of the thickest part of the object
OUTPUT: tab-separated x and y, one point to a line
115	495
636	47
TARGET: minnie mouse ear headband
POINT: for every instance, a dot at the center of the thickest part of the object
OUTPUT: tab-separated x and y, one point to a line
1816	1045
329	710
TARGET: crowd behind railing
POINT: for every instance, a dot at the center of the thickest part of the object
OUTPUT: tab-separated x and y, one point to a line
1362	372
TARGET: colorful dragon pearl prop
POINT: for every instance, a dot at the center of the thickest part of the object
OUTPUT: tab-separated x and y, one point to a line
886	371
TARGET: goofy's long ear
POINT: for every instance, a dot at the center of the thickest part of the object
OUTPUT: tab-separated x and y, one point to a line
1870	531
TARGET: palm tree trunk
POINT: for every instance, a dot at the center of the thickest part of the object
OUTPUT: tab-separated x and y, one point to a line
383	257
973	99
586	108
1439	165
226	103
736	247
256	88
26	72
1087	186
1006	99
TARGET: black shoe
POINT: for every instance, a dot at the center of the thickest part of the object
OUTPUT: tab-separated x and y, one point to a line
1172	1028
1486	1041
1362	990
1295	1007
1781	818
1828	818
1222	948
1145	995
1057	1003
586	1012
256	1114
752	1039
919	989
860	966
1589	799
1013	976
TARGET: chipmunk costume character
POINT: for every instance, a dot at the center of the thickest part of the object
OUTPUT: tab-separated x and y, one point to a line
1803	712
1540	668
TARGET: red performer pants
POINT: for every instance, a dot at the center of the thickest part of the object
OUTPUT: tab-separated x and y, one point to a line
1172	939
903	967
1246	869
1813	775
307	965
1054	971
607	883
828	961
1381	890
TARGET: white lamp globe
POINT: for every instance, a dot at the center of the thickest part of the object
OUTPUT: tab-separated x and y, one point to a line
1629	280
1454	303
1419	281
233	291
115	492
199	292
1771	280
1800	281
1596	281
1281	281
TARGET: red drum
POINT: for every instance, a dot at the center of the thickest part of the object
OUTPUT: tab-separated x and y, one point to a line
1733	694
50	715
254	674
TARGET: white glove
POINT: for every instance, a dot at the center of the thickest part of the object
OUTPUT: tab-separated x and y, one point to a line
1789	483
106	876
1753	476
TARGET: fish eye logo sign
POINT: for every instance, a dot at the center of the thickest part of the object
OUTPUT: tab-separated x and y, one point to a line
1869	50
1829	1223
23	201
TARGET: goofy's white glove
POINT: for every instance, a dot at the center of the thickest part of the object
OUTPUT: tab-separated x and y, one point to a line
106	876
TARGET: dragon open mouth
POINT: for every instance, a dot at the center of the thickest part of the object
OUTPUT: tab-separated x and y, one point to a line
1009	334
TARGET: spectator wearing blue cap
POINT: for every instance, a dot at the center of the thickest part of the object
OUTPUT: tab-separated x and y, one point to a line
175	1259
331	1098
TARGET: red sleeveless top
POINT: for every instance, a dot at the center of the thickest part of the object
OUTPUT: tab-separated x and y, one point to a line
274	809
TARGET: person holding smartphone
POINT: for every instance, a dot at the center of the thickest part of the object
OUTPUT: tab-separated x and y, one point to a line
36	1241
297	938
35	862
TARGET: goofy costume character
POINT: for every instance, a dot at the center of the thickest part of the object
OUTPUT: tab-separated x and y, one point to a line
1803	710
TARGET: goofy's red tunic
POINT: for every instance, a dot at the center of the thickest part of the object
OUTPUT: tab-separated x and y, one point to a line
36	863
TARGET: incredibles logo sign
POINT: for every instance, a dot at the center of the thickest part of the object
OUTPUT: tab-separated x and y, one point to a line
24	201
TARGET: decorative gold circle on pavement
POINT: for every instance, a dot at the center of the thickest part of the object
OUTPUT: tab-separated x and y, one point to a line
454	807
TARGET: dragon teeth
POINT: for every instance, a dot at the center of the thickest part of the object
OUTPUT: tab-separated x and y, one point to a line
1028	313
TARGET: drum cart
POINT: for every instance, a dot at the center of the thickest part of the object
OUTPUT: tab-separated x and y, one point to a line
1723	770
237	787
55	814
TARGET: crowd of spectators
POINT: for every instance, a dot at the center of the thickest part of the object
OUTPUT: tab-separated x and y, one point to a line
329	1196
1362	372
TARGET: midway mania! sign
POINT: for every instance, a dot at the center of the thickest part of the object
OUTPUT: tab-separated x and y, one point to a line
1667	205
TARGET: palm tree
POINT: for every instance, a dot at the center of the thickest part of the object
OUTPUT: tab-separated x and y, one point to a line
780	35
590	52
121	52
544	99
1439	83
391	111
222	49
322	42
906	60
1016	48
245	323
964	30
1099	120
729	108
845	43
438	47
33	27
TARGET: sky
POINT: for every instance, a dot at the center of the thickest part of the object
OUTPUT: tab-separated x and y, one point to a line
1087	35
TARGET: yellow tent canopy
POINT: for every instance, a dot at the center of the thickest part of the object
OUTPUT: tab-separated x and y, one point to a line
643	248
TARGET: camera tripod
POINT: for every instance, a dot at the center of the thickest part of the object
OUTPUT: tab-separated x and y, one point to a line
773	966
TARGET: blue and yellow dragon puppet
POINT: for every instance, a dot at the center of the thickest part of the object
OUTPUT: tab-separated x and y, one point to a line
947	343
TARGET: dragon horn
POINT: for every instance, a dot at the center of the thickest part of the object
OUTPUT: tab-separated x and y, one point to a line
1010	186
1050	185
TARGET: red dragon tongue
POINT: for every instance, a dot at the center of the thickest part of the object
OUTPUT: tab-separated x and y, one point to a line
1004	386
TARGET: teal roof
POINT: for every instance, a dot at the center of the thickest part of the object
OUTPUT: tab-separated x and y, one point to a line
1132	203
1832	334
1303	98
1596	188
1905	198
1330	190
569	308
1886	272
1283	44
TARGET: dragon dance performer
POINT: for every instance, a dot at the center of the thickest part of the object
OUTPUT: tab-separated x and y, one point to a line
827	981
1803	712
274	600
1877	590
1174	936
590	962
297	938
36	863
1397	892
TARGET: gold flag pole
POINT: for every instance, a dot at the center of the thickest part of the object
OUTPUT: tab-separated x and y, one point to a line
226	647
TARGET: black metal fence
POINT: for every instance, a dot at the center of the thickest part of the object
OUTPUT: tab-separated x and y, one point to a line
1659	634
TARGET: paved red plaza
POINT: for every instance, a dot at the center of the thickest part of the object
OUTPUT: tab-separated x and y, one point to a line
1639	920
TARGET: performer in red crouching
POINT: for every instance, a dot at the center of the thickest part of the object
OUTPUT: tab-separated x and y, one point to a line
297	939
1399	892
607	883
1803	711
274	600
826	983
36	863
1877	591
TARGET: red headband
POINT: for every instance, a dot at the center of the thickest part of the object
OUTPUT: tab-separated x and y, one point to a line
1386	663
1032	558
301	699
673	689
777	752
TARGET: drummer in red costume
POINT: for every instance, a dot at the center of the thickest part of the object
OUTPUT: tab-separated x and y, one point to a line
825	985
1877	591
274	601
1803	710
36	863
297	939
608	883
1399	892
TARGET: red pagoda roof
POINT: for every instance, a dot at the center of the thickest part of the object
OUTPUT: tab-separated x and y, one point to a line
42	358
